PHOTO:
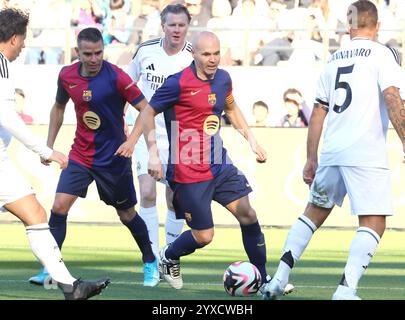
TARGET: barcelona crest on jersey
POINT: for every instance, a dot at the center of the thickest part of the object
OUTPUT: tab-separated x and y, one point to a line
212	99
87	95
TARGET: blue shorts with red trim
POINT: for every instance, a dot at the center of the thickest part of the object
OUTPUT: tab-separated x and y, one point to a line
192	201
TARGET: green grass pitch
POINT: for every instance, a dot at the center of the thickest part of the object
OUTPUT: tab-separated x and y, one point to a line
92	251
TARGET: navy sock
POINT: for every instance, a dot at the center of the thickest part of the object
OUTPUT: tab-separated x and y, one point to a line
140	233
182	246
255	247
57	225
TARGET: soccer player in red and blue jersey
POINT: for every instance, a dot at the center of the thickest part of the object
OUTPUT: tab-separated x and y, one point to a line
199	169
101	151
16	195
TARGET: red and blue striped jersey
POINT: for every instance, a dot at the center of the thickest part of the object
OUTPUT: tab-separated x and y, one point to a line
99	105
192	109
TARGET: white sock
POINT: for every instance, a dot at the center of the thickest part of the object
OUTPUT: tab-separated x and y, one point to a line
297	240
46	250
151	218
361	251
173	226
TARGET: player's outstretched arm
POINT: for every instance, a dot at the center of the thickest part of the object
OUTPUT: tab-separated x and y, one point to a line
314	135
396	112
10	120
127	148
155	168
238	121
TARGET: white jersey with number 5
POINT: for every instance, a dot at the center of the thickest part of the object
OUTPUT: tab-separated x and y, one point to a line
351	87
151	66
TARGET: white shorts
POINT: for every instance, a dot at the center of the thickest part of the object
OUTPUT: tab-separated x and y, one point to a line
141	154
369	189
13	185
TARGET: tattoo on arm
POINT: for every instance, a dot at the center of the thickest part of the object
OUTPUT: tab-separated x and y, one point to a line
396	110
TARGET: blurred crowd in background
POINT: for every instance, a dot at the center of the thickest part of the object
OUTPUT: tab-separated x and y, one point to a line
295	33
252	32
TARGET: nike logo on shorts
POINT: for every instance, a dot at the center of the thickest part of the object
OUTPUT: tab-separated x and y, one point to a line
121	202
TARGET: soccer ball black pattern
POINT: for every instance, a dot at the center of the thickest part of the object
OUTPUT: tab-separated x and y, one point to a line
242	279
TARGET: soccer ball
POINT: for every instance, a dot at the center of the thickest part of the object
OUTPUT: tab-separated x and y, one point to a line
242	279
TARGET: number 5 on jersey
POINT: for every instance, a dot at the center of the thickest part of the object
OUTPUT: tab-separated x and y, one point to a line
343	85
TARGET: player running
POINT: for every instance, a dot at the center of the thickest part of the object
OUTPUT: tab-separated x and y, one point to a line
100	152
358	91
15	194
199	168
154	61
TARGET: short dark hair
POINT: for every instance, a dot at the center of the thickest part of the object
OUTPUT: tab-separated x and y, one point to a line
362	14
12	22
175	9
89	34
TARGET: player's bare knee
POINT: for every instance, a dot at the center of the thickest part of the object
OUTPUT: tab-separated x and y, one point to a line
126	215
316	214
41	213
148	198
248	216
169	199
252	215
374	222
204	240
60	207
203	237
35	215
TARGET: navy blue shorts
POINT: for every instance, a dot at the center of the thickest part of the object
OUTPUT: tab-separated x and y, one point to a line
192	201
114	188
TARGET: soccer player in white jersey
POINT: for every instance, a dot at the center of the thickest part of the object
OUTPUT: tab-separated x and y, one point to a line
153	62
15	193
358	92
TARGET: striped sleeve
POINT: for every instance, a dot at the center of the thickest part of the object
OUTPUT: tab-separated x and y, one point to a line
322	102
134	69
389	73
188	47
3	67
398	59
145	44
6	85
395	54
